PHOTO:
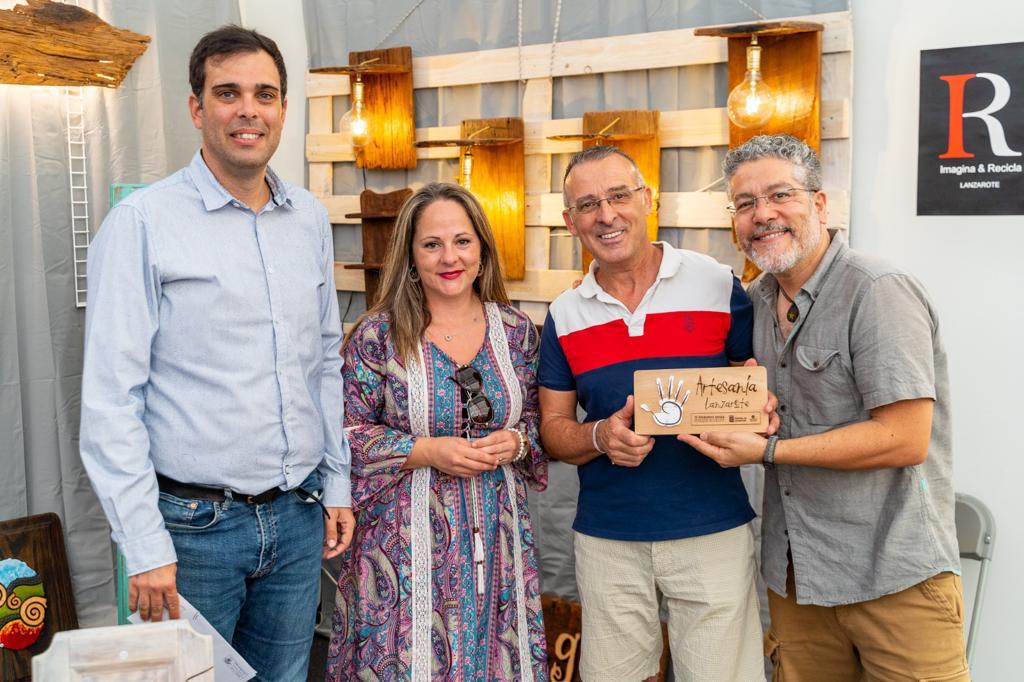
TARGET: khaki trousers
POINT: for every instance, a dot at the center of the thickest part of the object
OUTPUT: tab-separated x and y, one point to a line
916	634
708	583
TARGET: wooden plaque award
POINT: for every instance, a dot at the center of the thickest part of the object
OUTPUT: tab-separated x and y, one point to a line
672	401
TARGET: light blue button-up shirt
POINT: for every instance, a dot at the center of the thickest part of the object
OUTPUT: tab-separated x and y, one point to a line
211	352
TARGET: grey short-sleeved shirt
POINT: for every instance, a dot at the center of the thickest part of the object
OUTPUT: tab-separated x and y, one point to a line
867	336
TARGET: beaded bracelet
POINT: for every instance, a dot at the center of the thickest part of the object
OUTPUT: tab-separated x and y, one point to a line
521	450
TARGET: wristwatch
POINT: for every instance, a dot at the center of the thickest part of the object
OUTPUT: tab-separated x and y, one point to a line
769	452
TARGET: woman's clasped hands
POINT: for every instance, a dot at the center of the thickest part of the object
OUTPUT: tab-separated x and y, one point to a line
466	459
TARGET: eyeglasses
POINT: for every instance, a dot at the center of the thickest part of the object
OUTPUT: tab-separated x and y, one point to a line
748	205
477	407
619	197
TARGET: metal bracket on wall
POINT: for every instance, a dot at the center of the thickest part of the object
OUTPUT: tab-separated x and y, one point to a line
78	176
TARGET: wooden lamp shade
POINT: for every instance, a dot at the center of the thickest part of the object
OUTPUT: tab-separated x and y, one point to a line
791	66
377	213
387	105
498	181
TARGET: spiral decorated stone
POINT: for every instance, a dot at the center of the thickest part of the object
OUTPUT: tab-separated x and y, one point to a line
22	605
33	611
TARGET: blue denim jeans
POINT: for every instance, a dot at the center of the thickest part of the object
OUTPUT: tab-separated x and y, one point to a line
253	570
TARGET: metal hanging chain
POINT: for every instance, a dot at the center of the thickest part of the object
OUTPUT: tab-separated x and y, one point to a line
760	16
554	39
400	22
519	39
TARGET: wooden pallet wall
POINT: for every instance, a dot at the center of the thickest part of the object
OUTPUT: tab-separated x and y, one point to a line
678	129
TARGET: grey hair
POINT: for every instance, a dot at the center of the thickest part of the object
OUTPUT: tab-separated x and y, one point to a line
785	147
596	154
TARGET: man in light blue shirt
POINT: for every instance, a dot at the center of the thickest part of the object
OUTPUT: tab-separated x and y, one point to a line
212	390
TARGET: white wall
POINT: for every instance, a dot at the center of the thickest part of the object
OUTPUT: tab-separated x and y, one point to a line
970	266
283	23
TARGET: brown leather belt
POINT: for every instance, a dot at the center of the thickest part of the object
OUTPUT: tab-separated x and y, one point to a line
200	492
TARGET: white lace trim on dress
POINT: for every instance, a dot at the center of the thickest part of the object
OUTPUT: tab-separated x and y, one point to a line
422	607
499	342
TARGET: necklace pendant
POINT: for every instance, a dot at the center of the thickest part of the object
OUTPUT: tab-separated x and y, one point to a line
449	337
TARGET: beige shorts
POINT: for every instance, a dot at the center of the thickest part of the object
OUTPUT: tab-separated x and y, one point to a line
708	584
915	634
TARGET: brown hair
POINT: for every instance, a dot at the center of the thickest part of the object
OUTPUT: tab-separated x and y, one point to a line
228	40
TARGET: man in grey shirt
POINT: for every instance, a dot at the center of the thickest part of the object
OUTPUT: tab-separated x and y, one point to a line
859	546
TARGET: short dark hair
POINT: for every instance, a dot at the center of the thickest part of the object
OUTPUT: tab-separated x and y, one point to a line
596	154
228	40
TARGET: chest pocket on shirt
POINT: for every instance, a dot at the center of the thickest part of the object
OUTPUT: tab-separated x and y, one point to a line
835	399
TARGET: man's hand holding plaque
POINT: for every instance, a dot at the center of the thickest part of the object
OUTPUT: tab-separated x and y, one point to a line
737	444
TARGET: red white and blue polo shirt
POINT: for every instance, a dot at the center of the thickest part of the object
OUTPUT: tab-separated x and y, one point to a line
696	314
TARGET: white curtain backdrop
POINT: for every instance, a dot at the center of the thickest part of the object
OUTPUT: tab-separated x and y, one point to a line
136	133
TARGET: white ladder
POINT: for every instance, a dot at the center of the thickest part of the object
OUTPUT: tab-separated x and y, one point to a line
79	184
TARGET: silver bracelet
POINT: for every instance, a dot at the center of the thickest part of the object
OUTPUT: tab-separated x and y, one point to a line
593	438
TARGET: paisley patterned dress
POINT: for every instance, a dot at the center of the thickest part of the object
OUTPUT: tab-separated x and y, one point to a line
408	605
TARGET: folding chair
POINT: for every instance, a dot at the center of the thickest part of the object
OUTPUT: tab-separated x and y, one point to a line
976	534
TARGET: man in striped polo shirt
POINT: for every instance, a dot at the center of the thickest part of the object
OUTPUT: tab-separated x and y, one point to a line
653	515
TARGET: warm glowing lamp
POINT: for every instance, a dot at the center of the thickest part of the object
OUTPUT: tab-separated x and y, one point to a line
354	120
751	103
379	125
793	61
467	167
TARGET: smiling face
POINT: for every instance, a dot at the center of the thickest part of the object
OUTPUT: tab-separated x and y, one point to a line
240	114
616	235
446	251
778	237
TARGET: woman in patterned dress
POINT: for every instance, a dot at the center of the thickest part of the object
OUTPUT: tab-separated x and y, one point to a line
441	581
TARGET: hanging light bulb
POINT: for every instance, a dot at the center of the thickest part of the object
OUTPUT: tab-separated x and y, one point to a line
751	103
467	167
354	120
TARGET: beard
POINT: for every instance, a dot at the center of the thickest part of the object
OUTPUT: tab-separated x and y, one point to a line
774	260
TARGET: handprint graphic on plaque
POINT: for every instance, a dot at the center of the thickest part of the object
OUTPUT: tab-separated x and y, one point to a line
670	409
